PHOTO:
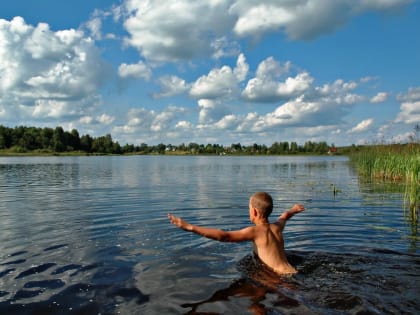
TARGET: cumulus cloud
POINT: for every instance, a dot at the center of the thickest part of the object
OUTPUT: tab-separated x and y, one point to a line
339	92
176	30
171	85
409	112
182	30
241	69
103	119
44	72
106	119
410	107
94	25
326	105
139	71
183	124
211	111
162	121
268	85
227	122
302	19
379	98
325	108
149	121
220	82
260	90
362	126
412	95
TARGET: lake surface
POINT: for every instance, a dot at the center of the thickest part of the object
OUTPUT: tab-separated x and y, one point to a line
89	235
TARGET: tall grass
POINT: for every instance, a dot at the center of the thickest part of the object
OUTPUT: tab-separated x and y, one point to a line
399	163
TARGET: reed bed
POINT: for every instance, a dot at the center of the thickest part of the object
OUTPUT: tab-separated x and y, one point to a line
399	163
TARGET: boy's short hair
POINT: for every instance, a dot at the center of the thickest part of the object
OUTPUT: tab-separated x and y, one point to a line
263	202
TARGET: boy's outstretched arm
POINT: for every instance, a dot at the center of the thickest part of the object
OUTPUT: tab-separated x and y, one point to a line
246	234
286	215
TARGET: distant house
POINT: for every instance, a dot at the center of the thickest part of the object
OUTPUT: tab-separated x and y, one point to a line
332	150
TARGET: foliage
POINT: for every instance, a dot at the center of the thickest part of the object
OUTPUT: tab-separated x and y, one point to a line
32	139
28	139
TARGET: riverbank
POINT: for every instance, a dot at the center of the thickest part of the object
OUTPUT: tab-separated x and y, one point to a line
10	153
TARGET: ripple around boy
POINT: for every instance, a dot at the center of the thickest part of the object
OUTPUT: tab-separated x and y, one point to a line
267	237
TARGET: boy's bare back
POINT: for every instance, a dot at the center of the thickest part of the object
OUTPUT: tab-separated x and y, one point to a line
269	247
267	238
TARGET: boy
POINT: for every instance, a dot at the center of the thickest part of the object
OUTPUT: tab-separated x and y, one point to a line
267	237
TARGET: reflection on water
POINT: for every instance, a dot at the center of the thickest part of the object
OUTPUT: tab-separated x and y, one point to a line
89	235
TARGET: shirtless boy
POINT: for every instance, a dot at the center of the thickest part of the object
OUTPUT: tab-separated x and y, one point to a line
267	237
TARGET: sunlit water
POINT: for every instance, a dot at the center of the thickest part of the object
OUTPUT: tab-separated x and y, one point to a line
89	235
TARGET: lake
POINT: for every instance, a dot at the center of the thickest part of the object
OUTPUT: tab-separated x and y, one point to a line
90	235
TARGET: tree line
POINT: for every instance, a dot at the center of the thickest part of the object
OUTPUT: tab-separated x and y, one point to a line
23	139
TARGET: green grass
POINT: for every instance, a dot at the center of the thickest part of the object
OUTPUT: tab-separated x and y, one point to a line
395	163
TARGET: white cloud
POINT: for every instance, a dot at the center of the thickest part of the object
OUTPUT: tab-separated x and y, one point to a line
139	71
171	85
263	17
183	124
150	123
410	107
413	94
163	120
94	25
272	69
362	126
86	120
211	111
227	122
299	111
175	30
44	72
105	119
266	87
302	19
217	83
242	68
220	82
409	113
379	98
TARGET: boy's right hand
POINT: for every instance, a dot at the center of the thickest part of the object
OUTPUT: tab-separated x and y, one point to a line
179	222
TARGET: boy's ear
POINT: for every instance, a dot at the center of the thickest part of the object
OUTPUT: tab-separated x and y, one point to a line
255	212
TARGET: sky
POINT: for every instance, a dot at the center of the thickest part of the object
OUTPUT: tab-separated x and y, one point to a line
213	71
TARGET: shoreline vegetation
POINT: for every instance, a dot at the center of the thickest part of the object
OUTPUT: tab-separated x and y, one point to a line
394	164
29	141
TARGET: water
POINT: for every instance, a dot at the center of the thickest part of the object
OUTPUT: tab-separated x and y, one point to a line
89	235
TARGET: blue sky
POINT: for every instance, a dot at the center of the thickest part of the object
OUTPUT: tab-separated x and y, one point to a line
213	71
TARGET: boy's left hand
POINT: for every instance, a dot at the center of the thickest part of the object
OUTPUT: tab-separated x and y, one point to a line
297	208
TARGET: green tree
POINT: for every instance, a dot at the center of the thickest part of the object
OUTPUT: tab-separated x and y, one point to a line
103	144
293	147
321	147
86	143
74	141
236	147
161	148
58	140
47	138
5	137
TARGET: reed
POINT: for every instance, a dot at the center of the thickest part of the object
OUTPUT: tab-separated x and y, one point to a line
398	163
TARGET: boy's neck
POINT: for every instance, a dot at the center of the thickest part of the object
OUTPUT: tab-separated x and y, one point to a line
261	221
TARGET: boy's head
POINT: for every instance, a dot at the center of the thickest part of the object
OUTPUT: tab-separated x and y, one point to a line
262	202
